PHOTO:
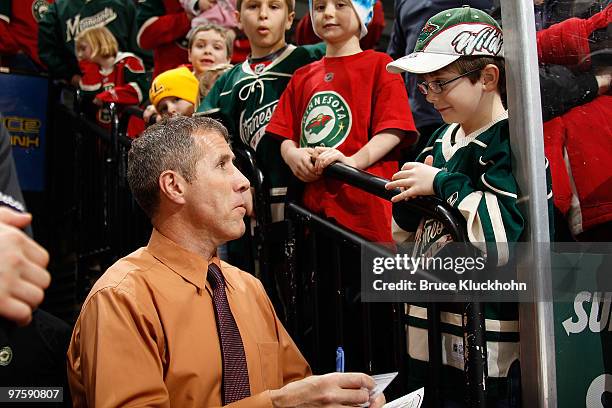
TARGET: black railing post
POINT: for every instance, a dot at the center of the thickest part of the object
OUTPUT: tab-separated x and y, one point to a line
112	177
474	353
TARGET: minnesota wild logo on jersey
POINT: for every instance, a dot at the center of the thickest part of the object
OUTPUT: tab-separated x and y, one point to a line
39	8
326	121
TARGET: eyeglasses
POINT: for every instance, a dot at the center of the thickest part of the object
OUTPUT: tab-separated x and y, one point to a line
436	86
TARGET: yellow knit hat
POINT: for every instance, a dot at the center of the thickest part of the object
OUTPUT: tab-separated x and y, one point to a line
179	82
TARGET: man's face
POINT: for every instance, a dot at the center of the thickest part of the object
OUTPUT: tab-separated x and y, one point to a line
264	23
214	200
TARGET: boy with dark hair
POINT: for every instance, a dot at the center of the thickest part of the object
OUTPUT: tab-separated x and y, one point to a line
459	55
245	97
468	164
344	108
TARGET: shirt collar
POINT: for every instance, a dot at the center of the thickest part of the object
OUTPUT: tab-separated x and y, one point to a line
190	266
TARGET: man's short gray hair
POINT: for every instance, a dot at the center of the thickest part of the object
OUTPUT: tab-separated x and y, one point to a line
167	145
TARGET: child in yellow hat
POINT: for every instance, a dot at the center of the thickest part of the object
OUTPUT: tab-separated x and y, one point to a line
174	92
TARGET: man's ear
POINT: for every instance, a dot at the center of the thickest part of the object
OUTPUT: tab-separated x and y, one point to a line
172	186
490	77
290	18
238	22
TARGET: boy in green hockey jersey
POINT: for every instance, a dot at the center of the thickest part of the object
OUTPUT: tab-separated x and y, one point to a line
467	163
245	97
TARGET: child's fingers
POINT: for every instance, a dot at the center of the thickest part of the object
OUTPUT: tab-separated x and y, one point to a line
402	174
404	195
428	160
405	183
410	165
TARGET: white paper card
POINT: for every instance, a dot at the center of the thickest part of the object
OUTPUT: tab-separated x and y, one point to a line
382	381
412	400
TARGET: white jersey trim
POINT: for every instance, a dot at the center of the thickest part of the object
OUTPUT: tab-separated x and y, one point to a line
144	27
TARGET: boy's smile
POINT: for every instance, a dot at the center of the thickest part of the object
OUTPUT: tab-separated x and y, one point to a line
208	49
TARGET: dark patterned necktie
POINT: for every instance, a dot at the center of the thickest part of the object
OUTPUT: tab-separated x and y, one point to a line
235	374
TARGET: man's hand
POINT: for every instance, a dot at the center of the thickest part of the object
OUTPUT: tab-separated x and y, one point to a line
299	160
329	390
23	276
414	179
326	156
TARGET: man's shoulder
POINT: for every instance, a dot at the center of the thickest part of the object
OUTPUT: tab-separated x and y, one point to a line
123	277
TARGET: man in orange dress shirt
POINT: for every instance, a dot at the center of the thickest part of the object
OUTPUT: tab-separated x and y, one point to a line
147	333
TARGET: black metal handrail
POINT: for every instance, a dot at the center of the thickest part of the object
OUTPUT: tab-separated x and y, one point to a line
475	356
429	206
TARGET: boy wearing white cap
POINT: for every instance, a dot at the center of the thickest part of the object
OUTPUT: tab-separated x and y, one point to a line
467	163
459	58
348	108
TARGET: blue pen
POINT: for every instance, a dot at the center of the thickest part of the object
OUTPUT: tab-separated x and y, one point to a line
339	360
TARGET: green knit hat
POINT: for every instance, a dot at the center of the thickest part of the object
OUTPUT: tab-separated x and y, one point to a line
449	35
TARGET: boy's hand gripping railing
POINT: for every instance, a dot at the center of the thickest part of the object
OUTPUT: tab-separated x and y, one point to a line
475	357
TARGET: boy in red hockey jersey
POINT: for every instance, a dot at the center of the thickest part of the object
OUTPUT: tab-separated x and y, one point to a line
110	75
348	108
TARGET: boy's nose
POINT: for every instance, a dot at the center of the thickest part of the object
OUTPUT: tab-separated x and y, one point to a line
431	97
263	12
330	9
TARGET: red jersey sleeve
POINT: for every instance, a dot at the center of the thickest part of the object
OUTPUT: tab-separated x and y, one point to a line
8	45
91	79
390	107
130	92
163	30
285	122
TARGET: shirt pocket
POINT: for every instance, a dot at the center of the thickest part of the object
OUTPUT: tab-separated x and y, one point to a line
268	356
